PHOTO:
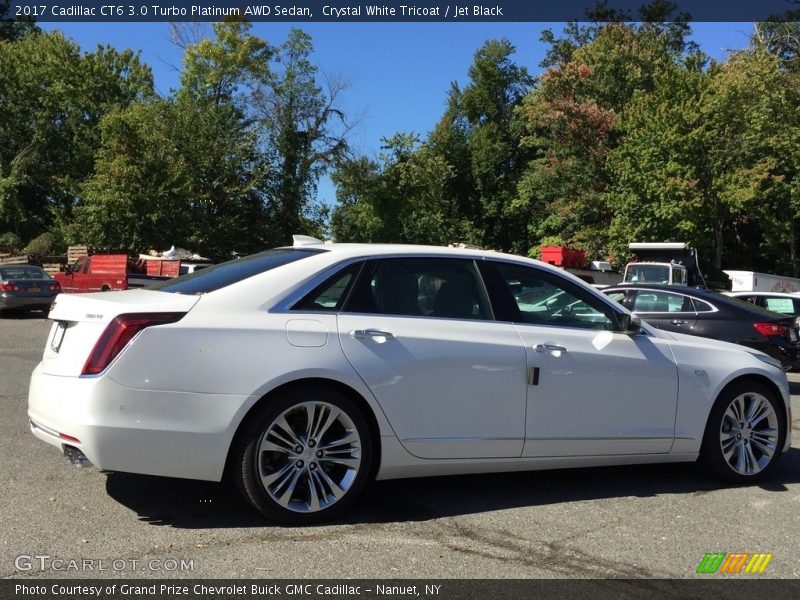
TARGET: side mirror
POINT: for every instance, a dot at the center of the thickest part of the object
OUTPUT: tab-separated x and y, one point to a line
629	324
63	268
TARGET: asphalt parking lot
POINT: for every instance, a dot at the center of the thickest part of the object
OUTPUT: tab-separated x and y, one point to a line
650	521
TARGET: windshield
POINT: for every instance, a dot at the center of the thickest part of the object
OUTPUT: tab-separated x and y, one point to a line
225	274
647	274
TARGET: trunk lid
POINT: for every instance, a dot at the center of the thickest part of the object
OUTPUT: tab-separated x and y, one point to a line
80	319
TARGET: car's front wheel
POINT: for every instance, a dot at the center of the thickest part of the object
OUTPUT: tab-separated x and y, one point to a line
304	456
745	433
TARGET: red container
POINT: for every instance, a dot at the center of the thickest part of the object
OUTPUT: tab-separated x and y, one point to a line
561	256
164	268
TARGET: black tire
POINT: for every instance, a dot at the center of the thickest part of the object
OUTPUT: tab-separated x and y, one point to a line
300	466
747	448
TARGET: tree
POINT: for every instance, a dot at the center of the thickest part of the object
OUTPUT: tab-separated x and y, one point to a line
52	99
573	122
11	28
186	170
457	185
708	157
306	130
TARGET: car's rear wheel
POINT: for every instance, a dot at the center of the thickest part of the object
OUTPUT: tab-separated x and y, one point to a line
745	433
304	456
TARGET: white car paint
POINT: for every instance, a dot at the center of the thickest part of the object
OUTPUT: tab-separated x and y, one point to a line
446	395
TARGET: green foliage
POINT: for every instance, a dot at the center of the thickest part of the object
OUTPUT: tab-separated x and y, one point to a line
629	134
11	28
305	130
10	242
52	99
42	245
456	186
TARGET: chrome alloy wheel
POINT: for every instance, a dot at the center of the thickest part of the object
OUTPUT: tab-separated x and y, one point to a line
749	433
309	456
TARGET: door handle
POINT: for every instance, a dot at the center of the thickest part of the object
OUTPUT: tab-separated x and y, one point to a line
362	334
678	322
551	348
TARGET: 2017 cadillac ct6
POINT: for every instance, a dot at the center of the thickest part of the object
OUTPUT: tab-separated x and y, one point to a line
306	371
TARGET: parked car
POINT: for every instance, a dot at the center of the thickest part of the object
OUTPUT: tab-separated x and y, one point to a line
710	314
779	302
106	272
26	287
307	371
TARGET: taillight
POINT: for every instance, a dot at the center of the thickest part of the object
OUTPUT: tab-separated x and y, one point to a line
117	335
55	287
770	329
7	286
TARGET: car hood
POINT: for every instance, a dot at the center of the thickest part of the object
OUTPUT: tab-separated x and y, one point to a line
711	344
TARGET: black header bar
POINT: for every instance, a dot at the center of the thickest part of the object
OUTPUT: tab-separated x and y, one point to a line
710	586
387	11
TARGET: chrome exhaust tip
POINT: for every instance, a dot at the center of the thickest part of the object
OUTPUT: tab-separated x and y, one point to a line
75	457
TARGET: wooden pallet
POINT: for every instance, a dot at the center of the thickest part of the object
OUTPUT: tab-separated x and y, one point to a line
21	259
75	252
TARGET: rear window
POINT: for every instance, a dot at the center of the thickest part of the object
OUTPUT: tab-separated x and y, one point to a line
787	306
225	274
23	273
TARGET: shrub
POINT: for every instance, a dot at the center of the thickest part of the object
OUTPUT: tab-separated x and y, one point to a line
41	245
10	242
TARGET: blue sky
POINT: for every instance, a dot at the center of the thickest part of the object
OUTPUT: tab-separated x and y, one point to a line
398	74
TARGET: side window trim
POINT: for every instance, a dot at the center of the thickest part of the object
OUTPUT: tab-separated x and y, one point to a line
504	307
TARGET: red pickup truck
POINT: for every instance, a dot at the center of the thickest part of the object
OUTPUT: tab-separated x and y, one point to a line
105	272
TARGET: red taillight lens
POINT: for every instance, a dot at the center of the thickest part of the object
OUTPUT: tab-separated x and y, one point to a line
55	287
7	286
117	335
769	329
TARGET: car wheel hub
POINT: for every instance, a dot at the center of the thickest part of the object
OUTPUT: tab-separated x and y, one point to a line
309	456
749	434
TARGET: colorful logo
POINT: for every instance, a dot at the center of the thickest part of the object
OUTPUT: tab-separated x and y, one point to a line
734	562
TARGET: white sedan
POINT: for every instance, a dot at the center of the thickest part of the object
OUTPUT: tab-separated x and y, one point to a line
306	371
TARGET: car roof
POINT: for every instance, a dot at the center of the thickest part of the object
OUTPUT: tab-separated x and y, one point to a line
361	250
678	289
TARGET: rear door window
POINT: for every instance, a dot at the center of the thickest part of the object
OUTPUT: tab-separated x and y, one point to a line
702	307
420	287
657	301
331	295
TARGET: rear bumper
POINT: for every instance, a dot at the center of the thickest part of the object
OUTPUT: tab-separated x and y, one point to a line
788	355
134	431
10	301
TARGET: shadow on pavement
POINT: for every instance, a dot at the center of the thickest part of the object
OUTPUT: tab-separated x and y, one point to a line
200	505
